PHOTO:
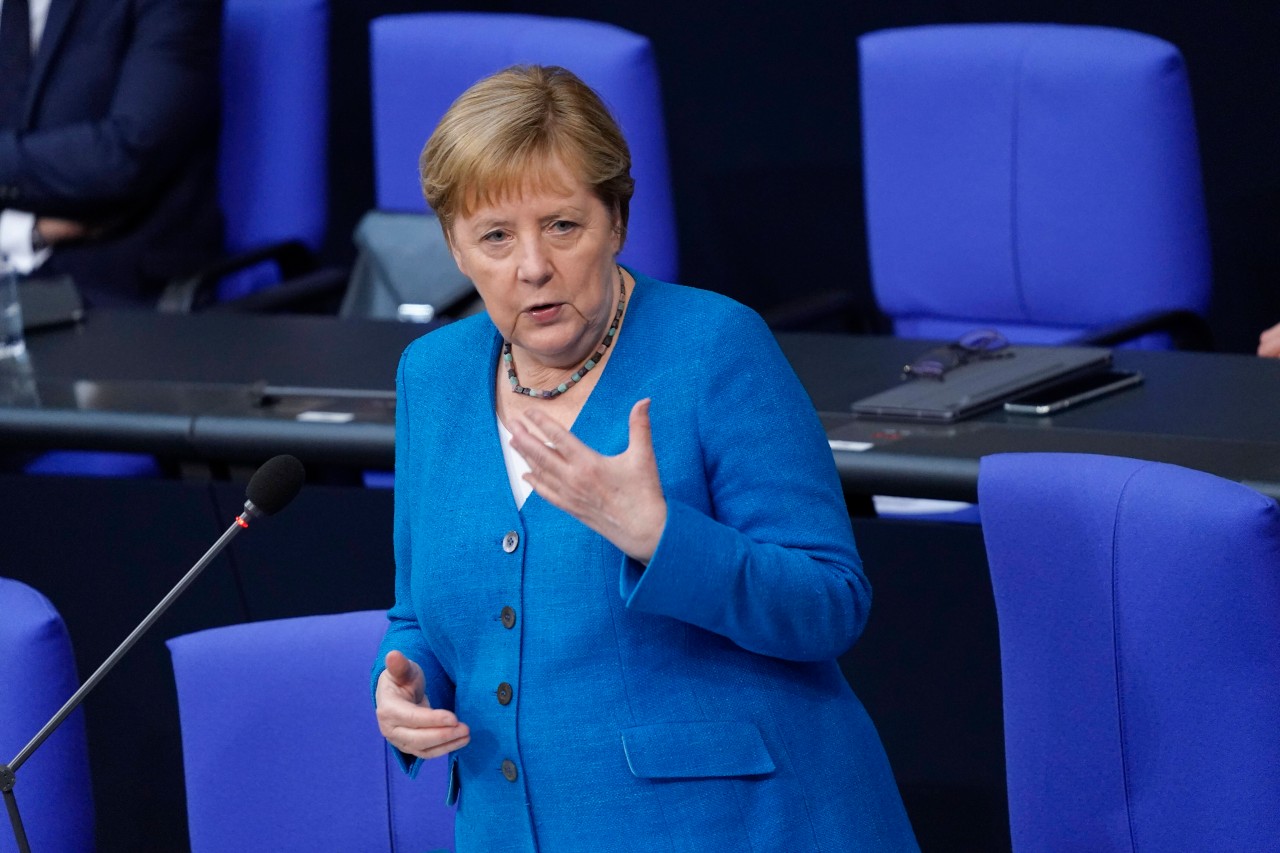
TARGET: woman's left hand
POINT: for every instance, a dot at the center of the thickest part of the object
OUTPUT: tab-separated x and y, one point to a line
619	497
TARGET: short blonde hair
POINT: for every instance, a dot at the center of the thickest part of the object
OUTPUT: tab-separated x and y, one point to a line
508	131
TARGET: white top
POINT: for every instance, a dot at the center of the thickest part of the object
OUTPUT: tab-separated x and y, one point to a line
516	466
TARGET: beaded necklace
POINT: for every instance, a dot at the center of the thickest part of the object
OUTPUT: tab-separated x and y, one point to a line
582	371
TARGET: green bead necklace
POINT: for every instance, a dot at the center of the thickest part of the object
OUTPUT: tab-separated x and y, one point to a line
582	371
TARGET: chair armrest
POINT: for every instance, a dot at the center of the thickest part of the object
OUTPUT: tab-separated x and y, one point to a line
1187	329
197	291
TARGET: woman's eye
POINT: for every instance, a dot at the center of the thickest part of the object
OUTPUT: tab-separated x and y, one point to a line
563	226
494	236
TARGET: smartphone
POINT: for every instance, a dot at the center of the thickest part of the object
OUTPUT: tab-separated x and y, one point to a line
1062	395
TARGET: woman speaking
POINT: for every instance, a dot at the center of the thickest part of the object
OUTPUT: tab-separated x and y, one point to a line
625	569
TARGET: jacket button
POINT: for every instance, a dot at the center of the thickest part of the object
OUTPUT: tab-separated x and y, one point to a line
508	617
511	541
509	769
504	693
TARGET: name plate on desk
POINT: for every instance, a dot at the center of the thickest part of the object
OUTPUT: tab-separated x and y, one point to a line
980	384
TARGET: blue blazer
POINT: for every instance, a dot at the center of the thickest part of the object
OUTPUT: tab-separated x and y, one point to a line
694	704
120	130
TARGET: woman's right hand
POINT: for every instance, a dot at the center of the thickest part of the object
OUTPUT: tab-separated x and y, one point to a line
405	717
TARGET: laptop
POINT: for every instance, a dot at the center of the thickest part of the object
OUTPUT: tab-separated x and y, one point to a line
982	384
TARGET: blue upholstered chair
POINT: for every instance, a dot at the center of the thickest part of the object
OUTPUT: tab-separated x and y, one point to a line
1139	617
421	62
37	677
273	173
1038	178
281	748
272	170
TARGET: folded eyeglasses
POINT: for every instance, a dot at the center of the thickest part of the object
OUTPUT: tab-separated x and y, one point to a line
978	345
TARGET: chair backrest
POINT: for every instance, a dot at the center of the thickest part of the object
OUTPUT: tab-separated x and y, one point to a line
272	183
422	62
37	676
1040	178
281	748
1139	615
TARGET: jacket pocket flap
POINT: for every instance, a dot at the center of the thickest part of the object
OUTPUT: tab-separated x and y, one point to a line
696	750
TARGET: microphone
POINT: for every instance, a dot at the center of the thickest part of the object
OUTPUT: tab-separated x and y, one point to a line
274	485
270	490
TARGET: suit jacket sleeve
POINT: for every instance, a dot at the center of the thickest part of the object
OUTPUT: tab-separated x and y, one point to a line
403	632
773	567
165	99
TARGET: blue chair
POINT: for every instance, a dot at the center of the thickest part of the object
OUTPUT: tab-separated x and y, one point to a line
272	170
37	677
281	747
1036	178
1139	620
421	62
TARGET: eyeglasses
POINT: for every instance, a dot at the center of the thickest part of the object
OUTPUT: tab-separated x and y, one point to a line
978	345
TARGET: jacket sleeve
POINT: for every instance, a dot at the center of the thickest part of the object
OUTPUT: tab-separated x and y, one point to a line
165	101
773	566
403	632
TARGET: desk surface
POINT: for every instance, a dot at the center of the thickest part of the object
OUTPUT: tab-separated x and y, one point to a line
1215	412
188	385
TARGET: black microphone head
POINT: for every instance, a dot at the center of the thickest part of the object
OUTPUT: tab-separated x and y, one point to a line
275	484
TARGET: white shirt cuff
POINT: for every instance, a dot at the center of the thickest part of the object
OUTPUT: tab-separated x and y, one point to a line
15	241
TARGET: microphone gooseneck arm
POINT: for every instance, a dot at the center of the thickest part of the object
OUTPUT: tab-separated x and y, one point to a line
8	771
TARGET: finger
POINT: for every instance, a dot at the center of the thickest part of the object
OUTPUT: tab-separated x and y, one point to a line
561	440
401	670
402	678
431	745
641	430
417	739
535	450
401	714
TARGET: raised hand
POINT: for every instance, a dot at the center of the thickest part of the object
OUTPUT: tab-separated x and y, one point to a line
619	497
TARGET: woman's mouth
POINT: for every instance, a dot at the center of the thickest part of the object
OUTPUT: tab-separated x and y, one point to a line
545	312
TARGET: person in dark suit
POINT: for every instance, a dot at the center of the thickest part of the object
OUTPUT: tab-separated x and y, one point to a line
108	141
624	567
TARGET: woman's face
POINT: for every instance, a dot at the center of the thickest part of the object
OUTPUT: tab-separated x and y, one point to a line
542	259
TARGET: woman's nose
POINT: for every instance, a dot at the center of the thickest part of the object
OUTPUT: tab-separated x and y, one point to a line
535	263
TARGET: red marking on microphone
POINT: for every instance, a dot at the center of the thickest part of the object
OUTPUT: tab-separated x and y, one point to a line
240	521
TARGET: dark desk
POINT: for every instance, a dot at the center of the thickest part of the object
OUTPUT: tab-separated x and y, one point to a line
184	386
1216	413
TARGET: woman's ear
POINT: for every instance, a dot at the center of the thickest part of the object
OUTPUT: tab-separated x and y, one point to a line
617	230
